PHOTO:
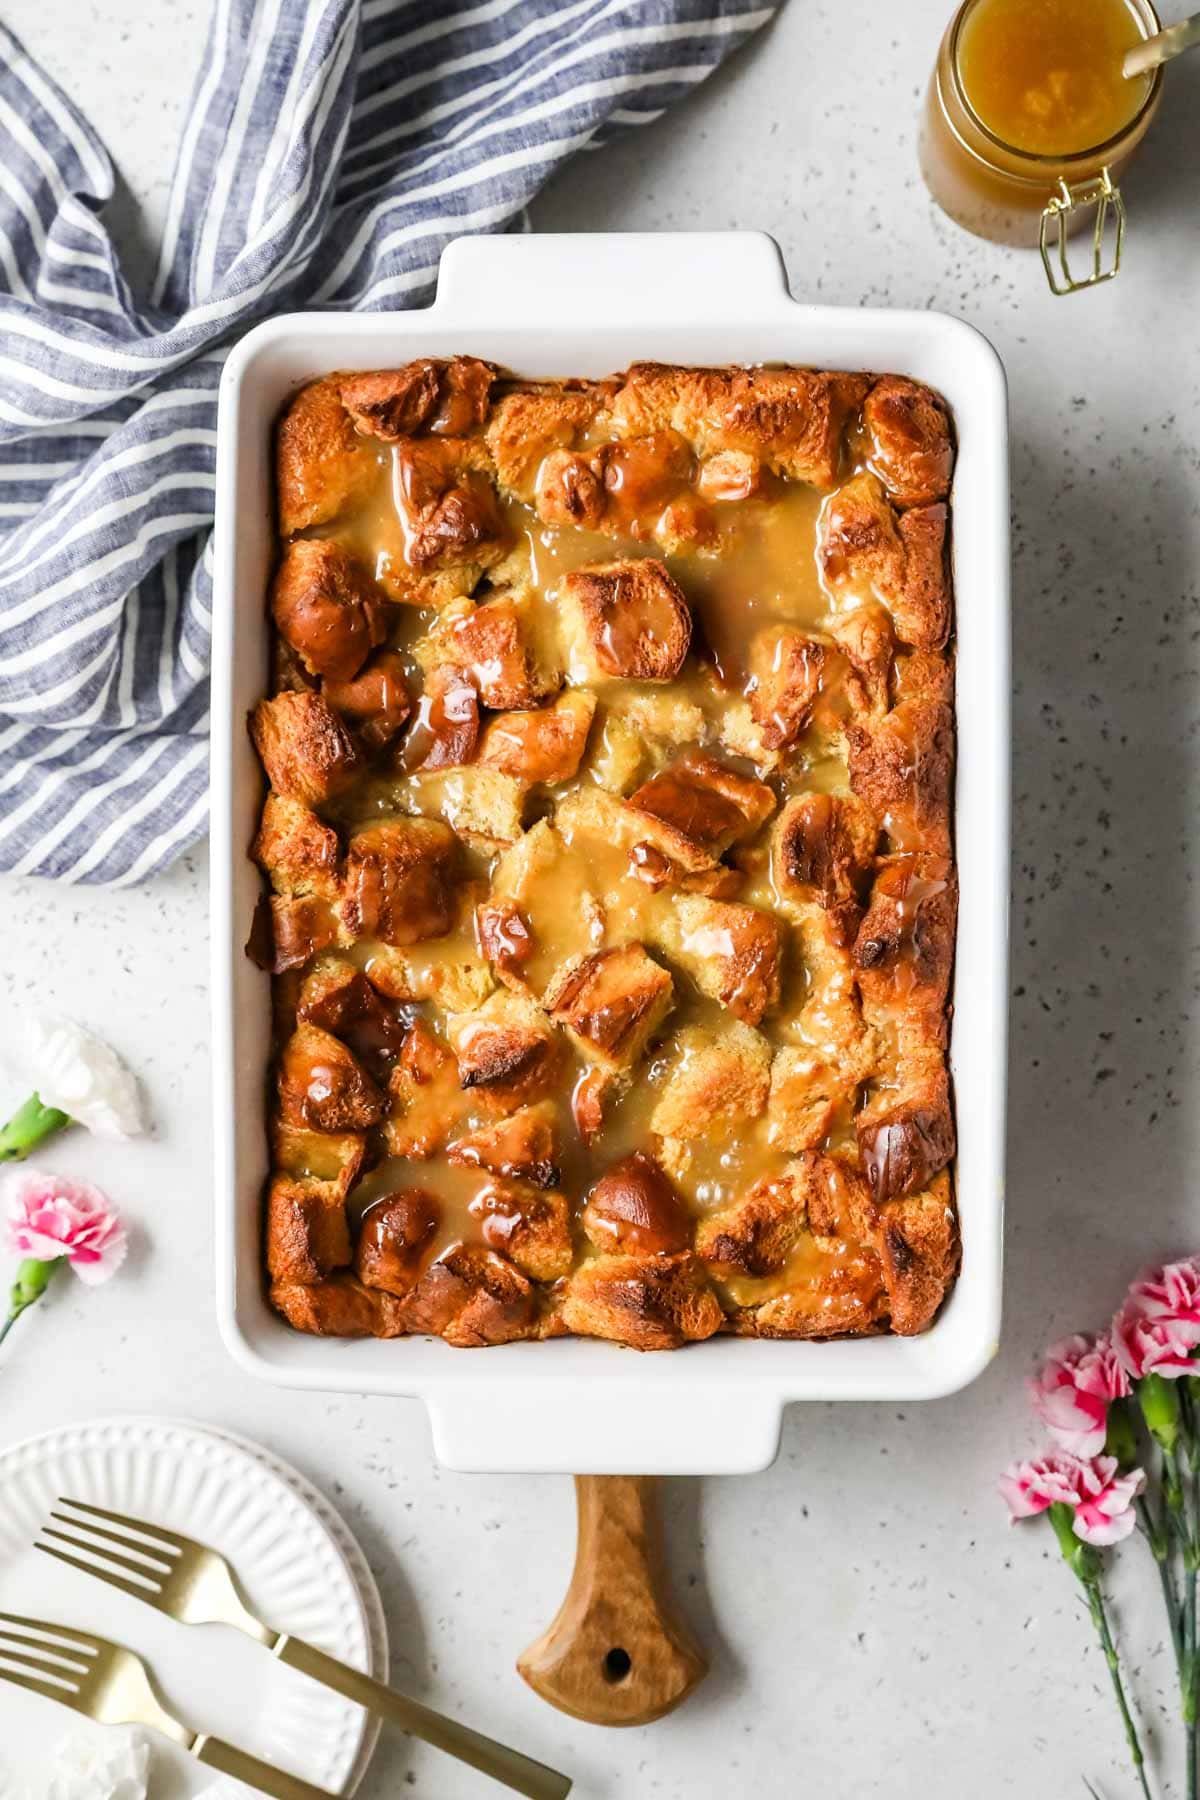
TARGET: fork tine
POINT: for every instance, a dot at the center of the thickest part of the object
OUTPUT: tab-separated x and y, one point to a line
157	1558
92	1644
152	1575
64	1696
165	1540
150	1595
69	1672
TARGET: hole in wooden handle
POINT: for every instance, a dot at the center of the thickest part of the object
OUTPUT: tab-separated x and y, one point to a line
617	1664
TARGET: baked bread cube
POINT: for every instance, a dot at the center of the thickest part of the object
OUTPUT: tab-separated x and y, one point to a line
866	639
729	475
905	1143
901	766
455	981
717	1083
508	1052
909	432
530	1226
505	938
822	853
527	428
591	812
610	1003
482	806
635	1209
521	1147
334	1158
376	702
322	465
307	1233
497	645
624	620
471	1297
338	997
296	850
306	749
865	552
399	881
395	1240
445	731
787	669
327	607
807	1094
706	801
919	1248
546	744
845	1299
446	398
288	932
906	1129
570	491
340	1306
447	508
323	1086
733	953
646	1302
791	420
758	1232
663	717
904	949
427	1101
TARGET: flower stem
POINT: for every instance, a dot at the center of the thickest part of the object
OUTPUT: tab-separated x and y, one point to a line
27	1128
1160	1549
33	1278
1100	1620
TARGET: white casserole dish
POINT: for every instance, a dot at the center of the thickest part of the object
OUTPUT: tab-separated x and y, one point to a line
589	305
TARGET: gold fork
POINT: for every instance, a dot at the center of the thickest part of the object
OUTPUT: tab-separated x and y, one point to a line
110	1684
196	1585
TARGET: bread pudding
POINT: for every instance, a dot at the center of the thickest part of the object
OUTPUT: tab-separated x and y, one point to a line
612	898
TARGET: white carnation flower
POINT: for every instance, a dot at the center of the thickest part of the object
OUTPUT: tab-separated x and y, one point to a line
104	1765
77	1072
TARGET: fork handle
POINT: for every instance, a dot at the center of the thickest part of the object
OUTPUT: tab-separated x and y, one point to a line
509	1767
261	1775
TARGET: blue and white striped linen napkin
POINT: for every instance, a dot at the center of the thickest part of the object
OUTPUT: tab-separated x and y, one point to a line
332	149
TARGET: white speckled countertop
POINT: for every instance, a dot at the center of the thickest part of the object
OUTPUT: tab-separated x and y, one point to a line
874	1626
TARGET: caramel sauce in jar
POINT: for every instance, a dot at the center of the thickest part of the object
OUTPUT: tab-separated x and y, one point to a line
1028	94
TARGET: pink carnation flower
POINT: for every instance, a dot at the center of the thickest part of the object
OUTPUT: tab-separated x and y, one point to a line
1071	1394
1170	1294
50	1217
1099	1495
1149	1341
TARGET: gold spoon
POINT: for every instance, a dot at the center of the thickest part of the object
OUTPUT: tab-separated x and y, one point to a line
1161	47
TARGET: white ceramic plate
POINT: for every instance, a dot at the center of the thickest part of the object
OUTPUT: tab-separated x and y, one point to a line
300	1567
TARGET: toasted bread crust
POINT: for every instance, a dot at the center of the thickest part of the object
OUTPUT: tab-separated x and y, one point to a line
627	619
321	464
327	608
308	753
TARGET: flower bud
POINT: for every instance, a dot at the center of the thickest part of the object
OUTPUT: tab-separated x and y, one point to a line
1080	1558
1120	1437
33	1278
1159	1401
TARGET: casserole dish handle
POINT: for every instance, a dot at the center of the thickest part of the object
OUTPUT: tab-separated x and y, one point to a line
587	277
614	1654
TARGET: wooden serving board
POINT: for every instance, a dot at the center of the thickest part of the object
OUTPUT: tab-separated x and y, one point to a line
616	1654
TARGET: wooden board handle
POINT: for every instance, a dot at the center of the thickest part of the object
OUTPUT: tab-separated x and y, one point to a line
615	1655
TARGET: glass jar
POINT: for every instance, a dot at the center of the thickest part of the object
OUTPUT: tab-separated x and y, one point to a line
1015	196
